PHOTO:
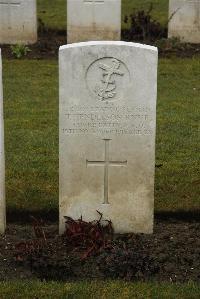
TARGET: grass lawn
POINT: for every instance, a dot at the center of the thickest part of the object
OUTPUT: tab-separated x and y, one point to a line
31	134
107	290
159	11
53	13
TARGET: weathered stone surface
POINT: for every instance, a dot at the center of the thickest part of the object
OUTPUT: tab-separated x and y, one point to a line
93	20
107	133
184	20
2	160
18	21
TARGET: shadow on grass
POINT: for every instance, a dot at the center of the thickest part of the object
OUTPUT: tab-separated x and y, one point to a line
24	216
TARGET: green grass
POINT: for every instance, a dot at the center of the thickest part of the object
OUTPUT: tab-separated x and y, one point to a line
31	135
177	146
53	13
159	11
98	290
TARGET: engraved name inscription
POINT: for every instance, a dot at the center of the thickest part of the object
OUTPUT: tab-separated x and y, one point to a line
6	4
10	2
93	1
117	120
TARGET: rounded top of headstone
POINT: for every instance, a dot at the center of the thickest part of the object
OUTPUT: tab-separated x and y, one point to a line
108	43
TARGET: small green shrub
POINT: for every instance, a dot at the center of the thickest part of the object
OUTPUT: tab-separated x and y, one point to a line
19	50
142	27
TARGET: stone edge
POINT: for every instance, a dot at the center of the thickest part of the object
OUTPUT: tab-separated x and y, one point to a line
108	43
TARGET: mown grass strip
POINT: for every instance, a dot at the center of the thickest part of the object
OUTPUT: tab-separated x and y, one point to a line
94	289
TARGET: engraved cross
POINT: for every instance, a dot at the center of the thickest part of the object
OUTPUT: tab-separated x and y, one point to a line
106	164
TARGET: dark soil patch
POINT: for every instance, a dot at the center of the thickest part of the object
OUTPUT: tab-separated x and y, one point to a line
172	253
46	47
50	40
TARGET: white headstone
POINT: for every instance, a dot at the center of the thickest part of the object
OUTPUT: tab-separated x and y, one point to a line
93	20
2	160
184	20
18	21
107	133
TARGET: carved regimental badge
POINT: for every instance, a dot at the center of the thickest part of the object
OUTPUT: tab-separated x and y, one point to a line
107	89
107	78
